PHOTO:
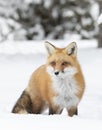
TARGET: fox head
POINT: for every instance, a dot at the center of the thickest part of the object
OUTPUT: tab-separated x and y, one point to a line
62	62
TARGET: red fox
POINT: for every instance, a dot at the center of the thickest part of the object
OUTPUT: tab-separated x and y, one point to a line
56	85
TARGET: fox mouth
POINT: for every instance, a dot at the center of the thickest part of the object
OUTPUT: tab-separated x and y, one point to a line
62	74
59	74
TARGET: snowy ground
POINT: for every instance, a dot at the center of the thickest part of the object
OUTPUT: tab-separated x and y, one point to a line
18	61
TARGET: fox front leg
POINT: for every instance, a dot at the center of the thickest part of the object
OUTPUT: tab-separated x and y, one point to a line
55	110
72	111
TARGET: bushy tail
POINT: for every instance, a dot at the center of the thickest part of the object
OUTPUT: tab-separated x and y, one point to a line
24	104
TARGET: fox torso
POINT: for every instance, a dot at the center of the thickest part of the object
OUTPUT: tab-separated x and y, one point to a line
58	84
66	89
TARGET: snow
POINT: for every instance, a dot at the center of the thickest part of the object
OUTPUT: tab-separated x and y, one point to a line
19	60
24	47
94	10
100	19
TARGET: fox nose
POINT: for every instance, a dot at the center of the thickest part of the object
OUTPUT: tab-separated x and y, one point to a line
56	73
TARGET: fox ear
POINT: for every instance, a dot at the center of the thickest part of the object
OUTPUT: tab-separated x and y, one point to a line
72	48
49	47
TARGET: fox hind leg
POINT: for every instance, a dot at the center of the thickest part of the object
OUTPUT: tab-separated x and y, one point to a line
23	105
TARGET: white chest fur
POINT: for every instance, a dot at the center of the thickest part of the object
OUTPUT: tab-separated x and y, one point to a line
66	90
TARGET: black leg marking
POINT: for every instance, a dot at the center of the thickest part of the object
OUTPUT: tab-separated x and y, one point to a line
54	111
51	111
76	112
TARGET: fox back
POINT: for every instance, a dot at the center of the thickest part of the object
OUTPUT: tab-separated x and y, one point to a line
55	85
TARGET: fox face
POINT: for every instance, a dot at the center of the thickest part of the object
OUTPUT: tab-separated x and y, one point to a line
61	63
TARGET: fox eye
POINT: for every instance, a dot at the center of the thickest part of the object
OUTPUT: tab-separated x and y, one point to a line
65	63
53	63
